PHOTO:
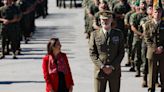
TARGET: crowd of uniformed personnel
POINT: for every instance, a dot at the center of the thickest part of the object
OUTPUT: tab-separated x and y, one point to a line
17	19
143	38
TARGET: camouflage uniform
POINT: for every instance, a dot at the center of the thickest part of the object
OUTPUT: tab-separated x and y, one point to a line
86	4
120	9
25	20
93	9
129	38
137	41
10	31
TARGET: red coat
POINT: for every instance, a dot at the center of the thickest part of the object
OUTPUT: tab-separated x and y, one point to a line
51	75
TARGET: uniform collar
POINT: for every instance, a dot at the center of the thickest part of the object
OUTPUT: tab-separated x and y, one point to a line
104	31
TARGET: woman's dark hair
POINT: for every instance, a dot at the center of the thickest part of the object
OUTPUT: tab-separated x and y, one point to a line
51	44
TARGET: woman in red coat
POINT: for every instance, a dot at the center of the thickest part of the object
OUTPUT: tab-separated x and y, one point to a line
56	70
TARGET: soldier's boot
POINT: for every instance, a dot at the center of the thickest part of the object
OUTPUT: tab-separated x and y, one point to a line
14	55
129	62
138	73
3	53
157	84
132	69
144	84
151	90
26	40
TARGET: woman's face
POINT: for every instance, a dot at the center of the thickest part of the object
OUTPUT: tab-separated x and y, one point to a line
57	47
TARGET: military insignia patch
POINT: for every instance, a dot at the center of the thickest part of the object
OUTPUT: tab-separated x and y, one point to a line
115	39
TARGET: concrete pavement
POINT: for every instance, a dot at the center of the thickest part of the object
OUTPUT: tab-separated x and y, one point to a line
25	73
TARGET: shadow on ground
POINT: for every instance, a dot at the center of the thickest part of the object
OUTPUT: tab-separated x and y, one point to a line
12	82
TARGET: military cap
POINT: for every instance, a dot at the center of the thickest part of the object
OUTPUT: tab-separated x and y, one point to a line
105	14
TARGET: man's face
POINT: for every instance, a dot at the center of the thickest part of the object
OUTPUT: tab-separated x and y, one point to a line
148	2
143	6
157	14
137	8
102	5
150	10
105	23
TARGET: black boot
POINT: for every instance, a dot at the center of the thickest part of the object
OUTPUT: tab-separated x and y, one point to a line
14	55
132	69
138	73
2	56
144	84
151	90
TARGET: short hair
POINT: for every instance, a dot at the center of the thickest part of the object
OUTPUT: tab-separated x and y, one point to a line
51	44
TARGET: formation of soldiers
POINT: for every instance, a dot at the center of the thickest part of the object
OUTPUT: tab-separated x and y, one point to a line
62	3
134	18
17	18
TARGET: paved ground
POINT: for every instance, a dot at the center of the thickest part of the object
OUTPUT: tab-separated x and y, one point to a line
25	73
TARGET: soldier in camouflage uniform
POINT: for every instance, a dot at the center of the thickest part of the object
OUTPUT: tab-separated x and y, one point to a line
91	11
19	13
120	9
137	39
129	36
131	49
9	19
86	4
25	20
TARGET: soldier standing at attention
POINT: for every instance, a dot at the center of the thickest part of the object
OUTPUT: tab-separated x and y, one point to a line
137	39
120	9
106	48
129	35
92	10
86	4
144	47
9	19
154	36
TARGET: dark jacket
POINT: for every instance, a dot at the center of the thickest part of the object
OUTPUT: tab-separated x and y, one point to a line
107	52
